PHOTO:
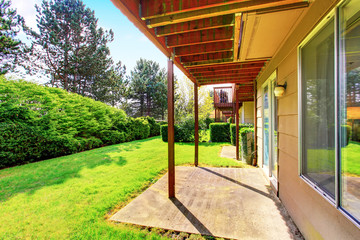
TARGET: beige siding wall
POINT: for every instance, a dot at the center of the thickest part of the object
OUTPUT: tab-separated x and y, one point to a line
315	216
246	112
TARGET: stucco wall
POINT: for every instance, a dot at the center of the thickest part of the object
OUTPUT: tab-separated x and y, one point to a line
315	216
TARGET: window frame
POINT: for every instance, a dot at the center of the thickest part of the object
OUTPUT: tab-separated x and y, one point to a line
336	202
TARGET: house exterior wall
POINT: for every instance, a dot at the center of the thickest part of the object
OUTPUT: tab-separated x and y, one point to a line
313	214
246	112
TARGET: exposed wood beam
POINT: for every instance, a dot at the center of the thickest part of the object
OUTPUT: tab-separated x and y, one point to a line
237	73
208	63
206	82
237	124
226	70
227	64
171	133
237	33
204	48
227	79
196	25
130	8
206	57
200	37
243	6
196	118
156	8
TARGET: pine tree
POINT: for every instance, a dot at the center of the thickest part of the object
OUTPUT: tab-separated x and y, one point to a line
147	89
69	46
11	49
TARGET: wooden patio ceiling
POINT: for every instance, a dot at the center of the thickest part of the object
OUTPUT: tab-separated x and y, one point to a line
204	36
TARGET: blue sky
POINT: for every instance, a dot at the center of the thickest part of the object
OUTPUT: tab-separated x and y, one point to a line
129	43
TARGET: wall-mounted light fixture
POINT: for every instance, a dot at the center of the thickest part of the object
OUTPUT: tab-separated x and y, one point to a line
280	90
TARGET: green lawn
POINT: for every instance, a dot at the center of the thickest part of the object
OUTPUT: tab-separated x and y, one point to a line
351	155
69	197
319	159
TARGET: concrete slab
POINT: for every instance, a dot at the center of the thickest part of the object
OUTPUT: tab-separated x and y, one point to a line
228	152
231	203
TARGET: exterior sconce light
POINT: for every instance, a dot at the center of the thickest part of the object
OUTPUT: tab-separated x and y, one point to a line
280	90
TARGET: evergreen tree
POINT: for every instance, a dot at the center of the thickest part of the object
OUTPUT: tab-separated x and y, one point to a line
147	89
69	46
11	49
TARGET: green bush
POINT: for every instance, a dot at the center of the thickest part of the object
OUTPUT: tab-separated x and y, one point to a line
220	132
230	120
154	127
164	133
243	143
233	131
38	123
208	121
110	137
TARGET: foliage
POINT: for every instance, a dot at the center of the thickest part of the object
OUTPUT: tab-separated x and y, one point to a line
11	49
154	126
220	132
137	128
233	131
208	121
68	197
184	100
42	122
147	90
230	120
243	134
71	50
112	87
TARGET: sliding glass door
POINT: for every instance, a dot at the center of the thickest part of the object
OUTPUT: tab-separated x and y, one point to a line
270	158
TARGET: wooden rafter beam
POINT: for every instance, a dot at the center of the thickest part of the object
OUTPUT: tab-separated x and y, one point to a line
228	64
207	63
196	25
203	48
200	37
206	57
172	17
222	82
156	8
240	80
226	70
238	72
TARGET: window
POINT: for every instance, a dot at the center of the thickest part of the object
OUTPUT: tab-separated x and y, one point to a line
329	108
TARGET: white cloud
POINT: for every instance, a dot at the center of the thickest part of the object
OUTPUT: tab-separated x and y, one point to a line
26	8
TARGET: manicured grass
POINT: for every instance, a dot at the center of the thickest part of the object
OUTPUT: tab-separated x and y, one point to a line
319	159
351	158
69	197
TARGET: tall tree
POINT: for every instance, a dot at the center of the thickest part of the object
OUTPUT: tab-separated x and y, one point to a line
11	49
147	89
69	46
113	87
184	102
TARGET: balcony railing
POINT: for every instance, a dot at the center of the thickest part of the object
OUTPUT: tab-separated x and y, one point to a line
224	97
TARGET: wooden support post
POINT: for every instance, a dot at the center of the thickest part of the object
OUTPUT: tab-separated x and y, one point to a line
171	134
255	124
196	113
237	122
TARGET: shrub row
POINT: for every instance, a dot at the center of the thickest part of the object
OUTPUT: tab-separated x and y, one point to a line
220	132
233	131
38	123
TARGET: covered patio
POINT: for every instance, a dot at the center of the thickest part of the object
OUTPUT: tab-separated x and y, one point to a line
213	42
232	203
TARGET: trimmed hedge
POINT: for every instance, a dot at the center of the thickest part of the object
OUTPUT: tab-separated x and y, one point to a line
220	132
246	157
164	133
233	131
154	126
38	123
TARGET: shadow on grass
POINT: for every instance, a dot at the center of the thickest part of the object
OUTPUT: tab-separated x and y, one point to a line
34	176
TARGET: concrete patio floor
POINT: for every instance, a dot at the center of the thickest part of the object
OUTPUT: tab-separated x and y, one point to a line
231	203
